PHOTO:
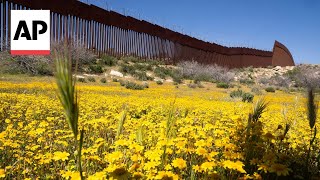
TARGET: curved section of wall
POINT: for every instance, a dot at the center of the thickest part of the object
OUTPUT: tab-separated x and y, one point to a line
281	55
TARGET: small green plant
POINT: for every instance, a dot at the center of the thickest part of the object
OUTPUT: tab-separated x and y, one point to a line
270	89
109	60
312	117
68	97
142	76
246	81
95	68
247	97
162	72
159	82
103	80
91	79
236	94
132	85
223	85
81	79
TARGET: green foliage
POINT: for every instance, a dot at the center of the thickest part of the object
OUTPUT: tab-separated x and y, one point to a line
115	80
95	68
159	82
236	94
133	85
68	97
246	81
247	97
223	85
103	80
91	79
109	60
81	79
142	76
142	67
270	89
177	77
162	72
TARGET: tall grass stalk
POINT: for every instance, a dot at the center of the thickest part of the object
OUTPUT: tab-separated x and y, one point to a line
312	117
68	97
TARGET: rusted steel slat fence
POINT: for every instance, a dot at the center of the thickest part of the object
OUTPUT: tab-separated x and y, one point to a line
107	32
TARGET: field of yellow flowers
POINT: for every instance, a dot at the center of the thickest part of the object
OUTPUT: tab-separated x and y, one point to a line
162	132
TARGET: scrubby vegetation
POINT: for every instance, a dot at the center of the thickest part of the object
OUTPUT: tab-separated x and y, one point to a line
170	131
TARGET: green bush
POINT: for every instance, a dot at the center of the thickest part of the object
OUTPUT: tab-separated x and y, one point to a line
159	82
246	81
133	86
142	67
223	85
122	83
142	76
247	97
270	89
81	79
91	79
177	77
127	69
103	80
236	94
162	72
115	80
95	68
109	60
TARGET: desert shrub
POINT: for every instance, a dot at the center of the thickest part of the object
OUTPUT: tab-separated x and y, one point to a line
142	76
34	65
307	76
192	85
142	67
81	79
263	80
115	80
122	83
177	77
162	72
247	97
103	80
133	86
77	53
109	60
91	79
127	69
270	89
236	94
223	85
256	91
95	68
194	70
145	85
159	82
246	81
128	59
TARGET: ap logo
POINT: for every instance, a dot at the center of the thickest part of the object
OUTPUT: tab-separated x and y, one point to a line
30	32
